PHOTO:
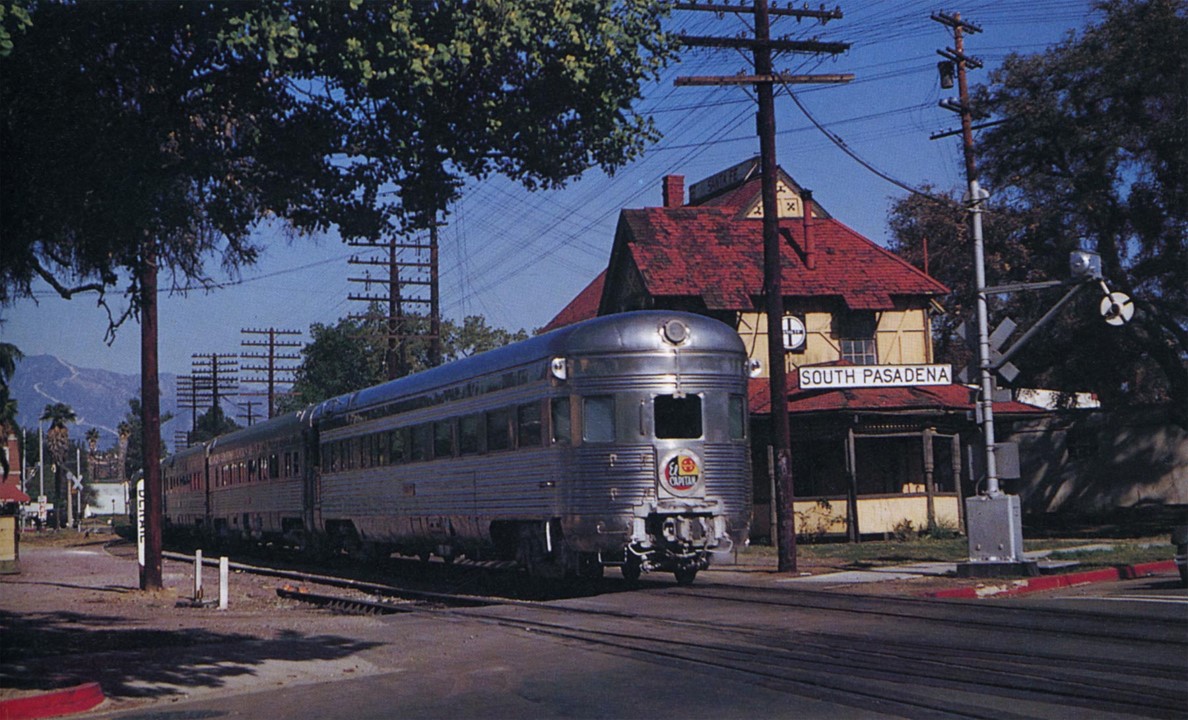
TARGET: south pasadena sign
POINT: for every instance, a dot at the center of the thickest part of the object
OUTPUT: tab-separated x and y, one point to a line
859	376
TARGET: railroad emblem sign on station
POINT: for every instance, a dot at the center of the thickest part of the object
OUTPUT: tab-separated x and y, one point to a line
794	333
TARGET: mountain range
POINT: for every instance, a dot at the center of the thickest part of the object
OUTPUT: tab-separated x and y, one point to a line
99	398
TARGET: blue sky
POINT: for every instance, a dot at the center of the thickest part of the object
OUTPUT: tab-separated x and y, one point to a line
517	257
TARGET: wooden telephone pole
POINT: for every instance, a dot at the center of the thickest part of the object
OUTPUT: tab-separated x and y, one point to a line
762	47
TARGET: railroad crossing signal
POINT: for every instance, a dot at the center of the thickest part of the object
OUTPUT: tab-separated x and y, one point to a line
1117	308
1006	370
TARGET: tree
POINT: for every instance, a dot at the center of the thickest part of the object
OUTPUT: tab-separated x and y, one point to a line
9	355
349	355
1093	147
930	229
211	424
136	137
338	359
1090	154
475	336
438	92
57	441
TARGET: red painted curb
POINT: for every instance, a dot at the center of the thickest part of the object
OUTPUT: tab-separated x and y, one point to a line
1051	582
62	702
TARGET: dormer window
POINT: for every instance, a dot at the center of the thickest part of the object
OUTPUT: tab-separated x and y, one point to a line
856	336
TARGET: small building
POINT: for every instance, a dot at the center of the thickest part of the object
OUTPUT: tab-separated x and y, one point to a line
107	491
12	495
871	456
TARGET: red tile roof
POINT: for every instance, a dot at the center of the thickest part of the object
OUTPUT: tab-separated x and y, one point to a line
12	493
713	252
709	251
582	307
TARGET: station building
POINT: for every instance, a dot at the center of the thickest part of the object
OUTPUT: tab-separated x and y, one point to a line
879	432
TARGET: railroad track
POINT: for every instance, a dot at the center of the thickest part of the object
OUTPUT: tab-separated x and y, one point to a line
765	642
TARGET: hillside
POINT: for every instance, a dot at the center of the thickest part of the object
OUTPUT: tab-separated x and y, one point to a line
98	397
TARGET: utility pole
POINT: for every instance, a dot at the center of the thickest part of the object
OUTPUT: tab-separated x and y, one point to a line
192	393
993	519
277	363
762	47
150	419
216	374
409	276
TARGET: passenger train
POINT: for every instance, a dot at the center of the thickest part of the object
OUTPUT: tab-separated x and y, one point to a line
618	441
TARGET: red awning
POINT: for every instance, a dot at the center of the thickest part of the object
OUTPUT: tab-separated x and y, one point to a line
12	493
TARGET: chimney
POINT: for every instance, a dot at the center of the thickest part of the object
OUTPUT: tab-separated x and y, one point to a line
806	202
674	191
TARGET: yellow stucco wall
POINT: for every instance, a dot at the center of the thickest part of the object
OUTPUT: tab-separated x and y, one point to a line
877	514
901	338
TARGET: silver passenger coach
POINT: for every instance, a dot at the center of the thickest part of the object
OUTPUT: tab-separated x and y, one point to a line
618	441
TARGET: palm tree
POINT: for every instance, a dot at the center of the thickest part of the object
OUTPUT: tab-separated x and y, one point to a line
124	431
57	441
9	355
8	424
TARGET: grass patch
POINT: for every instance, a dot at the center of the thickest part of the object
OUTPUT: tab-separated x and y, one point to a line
880	553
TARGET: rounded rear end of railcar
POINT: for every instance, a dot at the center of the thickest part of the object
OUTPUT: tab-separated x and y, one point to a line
658	474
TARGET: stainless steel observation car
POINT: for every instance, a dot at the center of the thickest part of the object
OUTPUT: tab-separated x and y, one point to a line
618	441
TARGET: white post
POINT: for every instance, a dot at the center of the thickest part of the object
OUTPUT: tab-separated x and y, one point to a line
224	576
197	574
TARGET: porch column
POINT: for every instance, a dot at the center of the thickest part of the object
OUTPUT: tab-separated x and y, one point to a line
853	532
929	486
955	442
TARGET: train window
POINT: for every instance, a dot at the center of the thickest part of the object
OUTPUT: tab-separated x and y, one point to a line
598	418
528	429
443	439
469	431
273	466
677	417
738	417
365	451
288	465
562	427
498	430
379	443
297	463
422	442
398	446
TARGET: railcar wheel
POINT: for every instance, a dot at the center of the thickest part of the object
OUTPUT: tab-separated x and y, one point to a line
685	575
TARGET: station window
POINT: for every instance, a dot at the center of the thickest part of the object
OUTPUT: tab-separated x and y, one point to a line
856	335
469	434
528	427
677	417
562	427
499	430
598	418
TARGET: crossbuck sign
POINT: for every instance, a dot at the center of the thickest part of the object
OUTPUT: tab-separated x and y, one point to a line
857	376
